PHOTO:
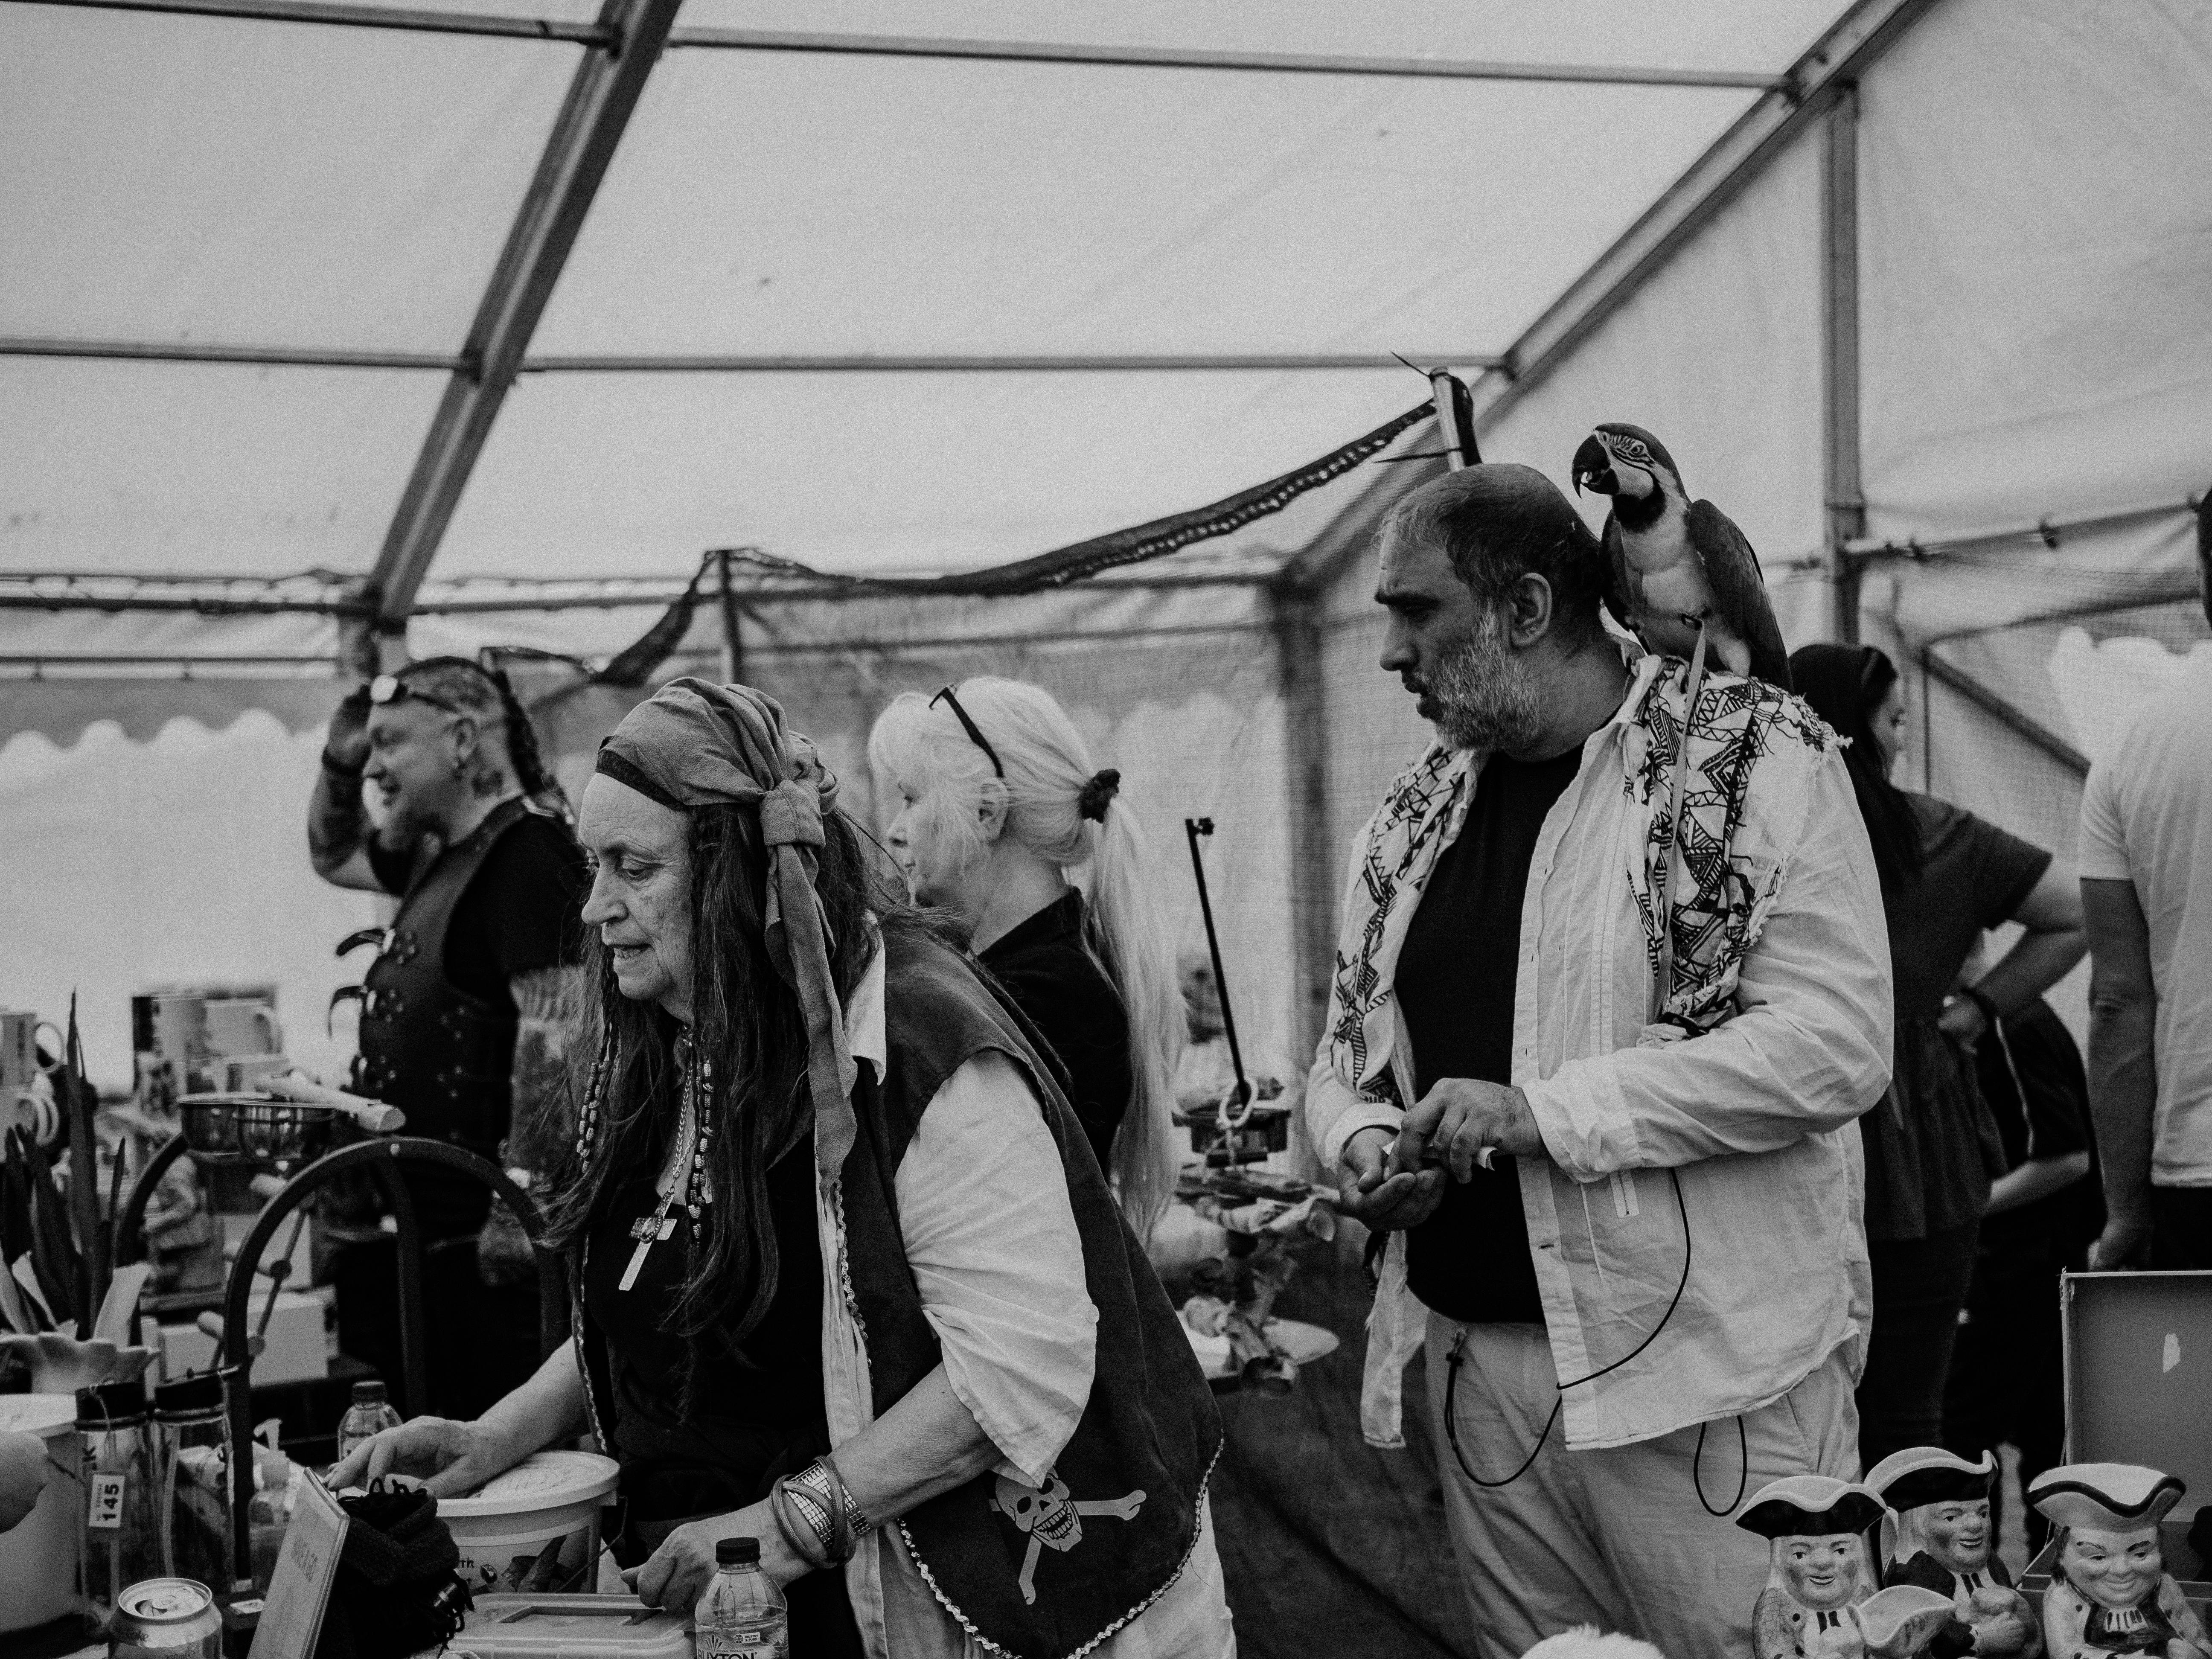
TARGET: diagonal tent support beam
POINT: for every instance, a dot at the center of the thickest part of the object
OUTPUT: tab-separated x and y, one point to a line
1814	82
600	101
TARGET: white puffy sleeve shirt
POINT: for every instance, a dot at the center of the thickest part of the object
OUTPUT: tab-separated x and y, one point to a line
990	1238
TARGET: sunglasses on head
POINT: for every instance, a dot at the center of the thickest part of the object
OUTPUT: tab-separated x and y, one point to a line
387	689
973	730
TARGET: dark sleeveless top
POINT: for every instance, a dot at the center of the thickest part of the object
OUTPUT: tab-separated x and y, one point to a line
749	1407
755	1412
443	1055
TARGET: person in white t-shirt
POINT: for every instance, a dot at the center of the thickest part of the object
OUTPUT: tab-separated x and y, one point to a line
2146	861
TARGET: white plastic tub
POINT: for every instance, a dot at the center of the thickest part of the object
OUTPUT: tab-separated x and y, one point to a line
534	1530
39	1555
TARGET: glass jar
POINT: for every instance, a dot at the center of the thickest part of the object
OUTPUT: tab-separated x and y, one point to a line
121	1525
191	1449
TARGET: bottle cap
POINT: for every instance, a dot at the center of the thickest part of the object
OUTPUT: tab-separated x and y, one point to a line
110	1403
189	1396
737	1551
368	1394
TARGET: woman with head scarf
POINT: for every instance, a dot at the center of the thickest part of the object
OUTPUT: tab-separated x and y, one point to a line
846	1280
1932	1147
998	804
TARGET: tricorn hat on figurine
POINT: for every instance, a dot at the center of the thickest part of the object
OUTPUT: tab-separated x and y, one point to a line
1928	1474
1809	1506
2104	1497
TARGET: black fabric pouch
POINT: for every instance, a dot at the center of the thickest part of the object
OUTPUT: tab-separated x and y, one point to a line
397	1590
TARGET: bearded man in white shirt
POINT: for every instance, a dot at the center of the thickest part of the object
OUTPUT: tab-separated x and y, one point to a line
1615	1162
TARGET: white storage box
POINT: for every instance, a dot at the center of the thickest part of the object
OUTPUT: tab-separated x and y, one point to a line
296	1350
571	1627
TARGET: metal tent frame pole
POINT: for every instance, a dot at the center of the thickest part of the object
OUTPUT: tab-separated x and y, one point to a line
1740	155
602	97
1842	486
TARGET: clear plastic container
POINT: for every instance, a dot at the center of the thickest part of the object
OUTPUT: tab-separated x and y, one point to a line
742	1615
191	1451
122	1514
371	1413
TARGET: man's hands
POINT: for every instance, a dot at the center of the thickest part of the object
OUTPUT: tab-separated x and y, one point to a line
1391	1184
1963	1021
347	746
449	1457
2122	1244
679	1570
1458	1119
1369	1191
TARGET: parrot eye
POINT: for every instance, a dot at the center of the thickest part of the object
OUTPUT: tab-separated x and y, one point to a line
1630	450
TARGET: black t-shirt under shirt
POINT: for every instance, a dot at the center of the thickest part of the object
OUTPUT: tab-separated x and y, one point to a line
1455	981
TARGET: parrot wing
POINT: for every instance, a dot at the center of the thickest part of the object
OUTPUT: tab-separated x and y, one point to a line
1732	568
1621	582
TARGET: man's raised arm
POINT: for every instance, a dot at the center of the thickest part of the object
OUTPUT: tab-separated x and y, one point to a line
339	827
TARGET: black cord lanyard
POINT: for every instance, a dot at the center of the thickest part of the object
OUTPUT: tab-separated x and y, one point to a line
1454	1359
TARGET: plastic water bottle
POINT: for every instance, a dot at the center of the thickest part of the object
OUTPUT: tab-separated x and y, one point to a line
370	1413
742	1615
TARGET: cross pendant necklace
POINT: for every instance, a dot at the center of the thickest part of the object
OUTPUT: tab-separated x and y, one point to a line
650	1229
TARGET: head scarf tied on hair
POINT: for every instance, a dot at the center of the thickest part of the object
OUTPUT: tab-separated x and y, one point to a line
695	744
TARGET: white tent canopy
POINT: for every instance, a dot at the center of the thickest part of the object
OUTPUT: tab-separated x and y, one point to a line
1920	292
195	182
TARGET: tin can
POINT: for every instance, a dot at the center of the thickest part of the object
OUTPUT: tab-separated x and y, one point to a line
165	1618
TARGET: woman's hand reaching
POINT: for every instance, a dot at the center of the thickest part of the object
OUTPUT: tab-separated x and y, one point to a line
677	1573
449	1458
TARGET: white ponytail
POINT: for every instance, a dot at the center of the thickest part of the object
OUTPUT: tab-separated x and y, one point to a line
1048	775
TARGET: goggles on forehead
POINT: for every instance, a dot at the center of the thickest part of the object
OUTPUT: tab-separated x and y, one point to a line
975	732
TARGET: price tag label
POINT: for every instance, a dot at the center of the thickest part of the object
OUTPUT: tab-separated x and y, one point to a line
104	1503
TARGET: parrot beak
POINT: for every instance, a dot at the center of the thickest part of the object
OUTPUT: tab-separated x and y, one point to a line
1593	468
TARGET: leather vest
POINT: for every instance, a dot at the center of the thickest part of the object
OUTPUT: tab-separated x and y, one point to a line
442	1056
1037	1572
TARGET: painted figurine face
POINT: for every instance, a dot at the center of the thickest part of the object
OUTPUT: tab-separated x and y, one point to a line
1821	1572
1958	1535
2115	1570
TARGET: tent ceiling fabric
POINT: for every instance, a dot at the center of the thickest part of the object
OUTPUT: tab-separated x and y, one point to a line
249	183
172	178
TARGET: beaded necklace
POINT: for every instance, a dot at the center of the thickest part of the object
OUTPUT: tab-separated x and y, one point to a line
687	1180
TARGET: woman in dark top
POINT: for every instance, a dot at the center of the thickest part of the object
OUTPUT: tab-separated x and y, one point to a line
998	803
1932	1147
838	1254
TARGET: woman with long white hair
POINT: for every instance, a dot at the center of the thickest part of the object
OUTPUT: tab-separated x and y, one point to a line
1001	810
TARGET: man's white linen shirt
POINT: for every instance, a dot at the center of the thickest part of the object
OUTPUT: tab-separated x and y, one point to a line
1755	1118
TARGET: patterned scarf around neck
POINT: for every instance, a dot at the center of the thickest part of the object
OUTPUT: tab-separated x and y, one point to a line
1715	921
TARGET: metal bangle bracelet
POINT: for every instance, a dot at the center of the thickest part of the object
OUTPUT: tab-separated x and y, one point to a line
856	1523
807	1544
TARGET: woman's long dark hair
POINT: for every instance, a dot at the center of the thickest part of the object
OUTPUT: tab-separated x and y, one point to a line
748	1027
1845	684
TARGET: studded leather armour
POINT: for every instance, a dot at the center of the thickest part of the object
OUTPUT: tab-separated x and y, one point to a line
442	1056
